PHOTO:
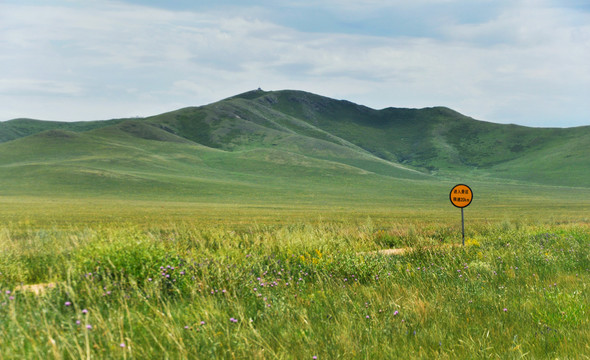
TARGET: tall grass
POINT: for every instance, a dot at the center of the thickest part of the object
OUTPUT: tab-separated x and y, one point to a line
295	291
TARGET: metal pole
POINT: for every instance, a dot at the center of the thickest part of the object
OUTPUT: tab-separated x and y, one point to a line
463	226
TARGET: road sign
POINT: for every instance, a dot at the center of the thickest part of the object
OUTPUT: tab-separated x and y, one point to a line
461	195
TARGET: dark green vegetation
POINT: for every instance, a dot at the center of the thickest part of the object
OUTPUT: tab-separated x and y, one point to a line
285	146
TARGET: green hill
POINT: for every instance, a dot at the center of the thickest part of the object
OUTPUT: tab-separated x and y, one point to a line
291	145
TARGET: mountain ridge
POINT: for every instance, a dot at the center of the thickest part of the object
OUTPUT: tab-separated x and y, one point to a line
269	140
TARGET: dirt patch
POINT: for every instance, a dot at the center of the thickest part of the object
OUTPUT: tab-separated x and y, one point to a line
401	251
37	289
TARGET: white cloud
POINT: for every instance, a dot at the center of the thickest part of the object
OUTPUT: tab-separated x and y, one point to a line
523	63
35	86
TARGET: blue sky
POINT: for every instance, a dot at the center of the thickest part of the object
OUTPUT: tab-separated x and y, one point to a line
517	61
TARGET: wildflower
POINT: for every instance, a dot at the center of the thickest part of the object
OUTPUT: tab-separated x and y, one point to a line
186	327
67	303
233	320
367	317
7	292
122	345
505	310
84	311
314	357
149	279
89	327
202	323
77	322
395	313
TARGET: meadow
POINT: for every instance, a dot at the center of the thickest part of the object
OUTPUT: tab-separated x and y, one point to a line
251	228
155	280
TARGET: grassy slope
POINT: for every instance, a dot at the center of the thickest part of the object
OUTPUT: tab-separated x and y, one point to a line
17	128
139	160
444	141
289	147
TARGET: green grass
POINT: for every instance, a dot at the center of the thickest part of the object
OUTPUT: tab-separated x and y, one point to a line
295	290
296	192
284	136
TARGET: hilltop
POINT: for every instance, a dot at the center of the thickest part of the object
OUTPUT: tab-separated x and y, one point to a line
291	143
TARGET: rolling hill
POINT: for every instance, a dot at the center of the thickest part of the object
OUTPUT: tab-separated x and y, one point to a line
289	144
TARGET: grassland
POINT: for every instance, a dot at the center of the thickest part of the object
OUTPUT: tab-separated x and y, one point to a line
149	279
280	138
251	229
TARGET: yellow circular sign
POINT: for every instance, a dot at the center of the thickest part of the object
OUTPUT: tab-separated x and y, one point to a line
461	195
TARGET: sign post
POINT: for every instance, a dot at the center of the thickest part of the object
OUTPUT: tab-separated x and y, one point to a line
461	196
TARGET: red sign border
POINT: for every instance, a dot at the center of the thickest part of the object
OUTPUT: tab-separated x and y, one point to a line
451	196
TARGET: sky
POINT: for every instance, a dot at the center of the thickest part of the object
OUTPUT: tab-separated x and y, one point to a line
505	61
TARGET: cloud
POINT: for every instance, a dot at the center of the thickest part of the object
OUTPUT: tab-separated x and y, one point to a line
519	61
39	87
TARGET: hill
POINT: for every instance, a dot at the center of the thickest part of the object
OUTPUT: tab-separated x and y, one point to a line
291	145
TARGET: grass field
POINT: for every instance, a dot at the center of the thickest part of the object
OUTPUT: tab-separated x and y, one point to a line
251	228
149	279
